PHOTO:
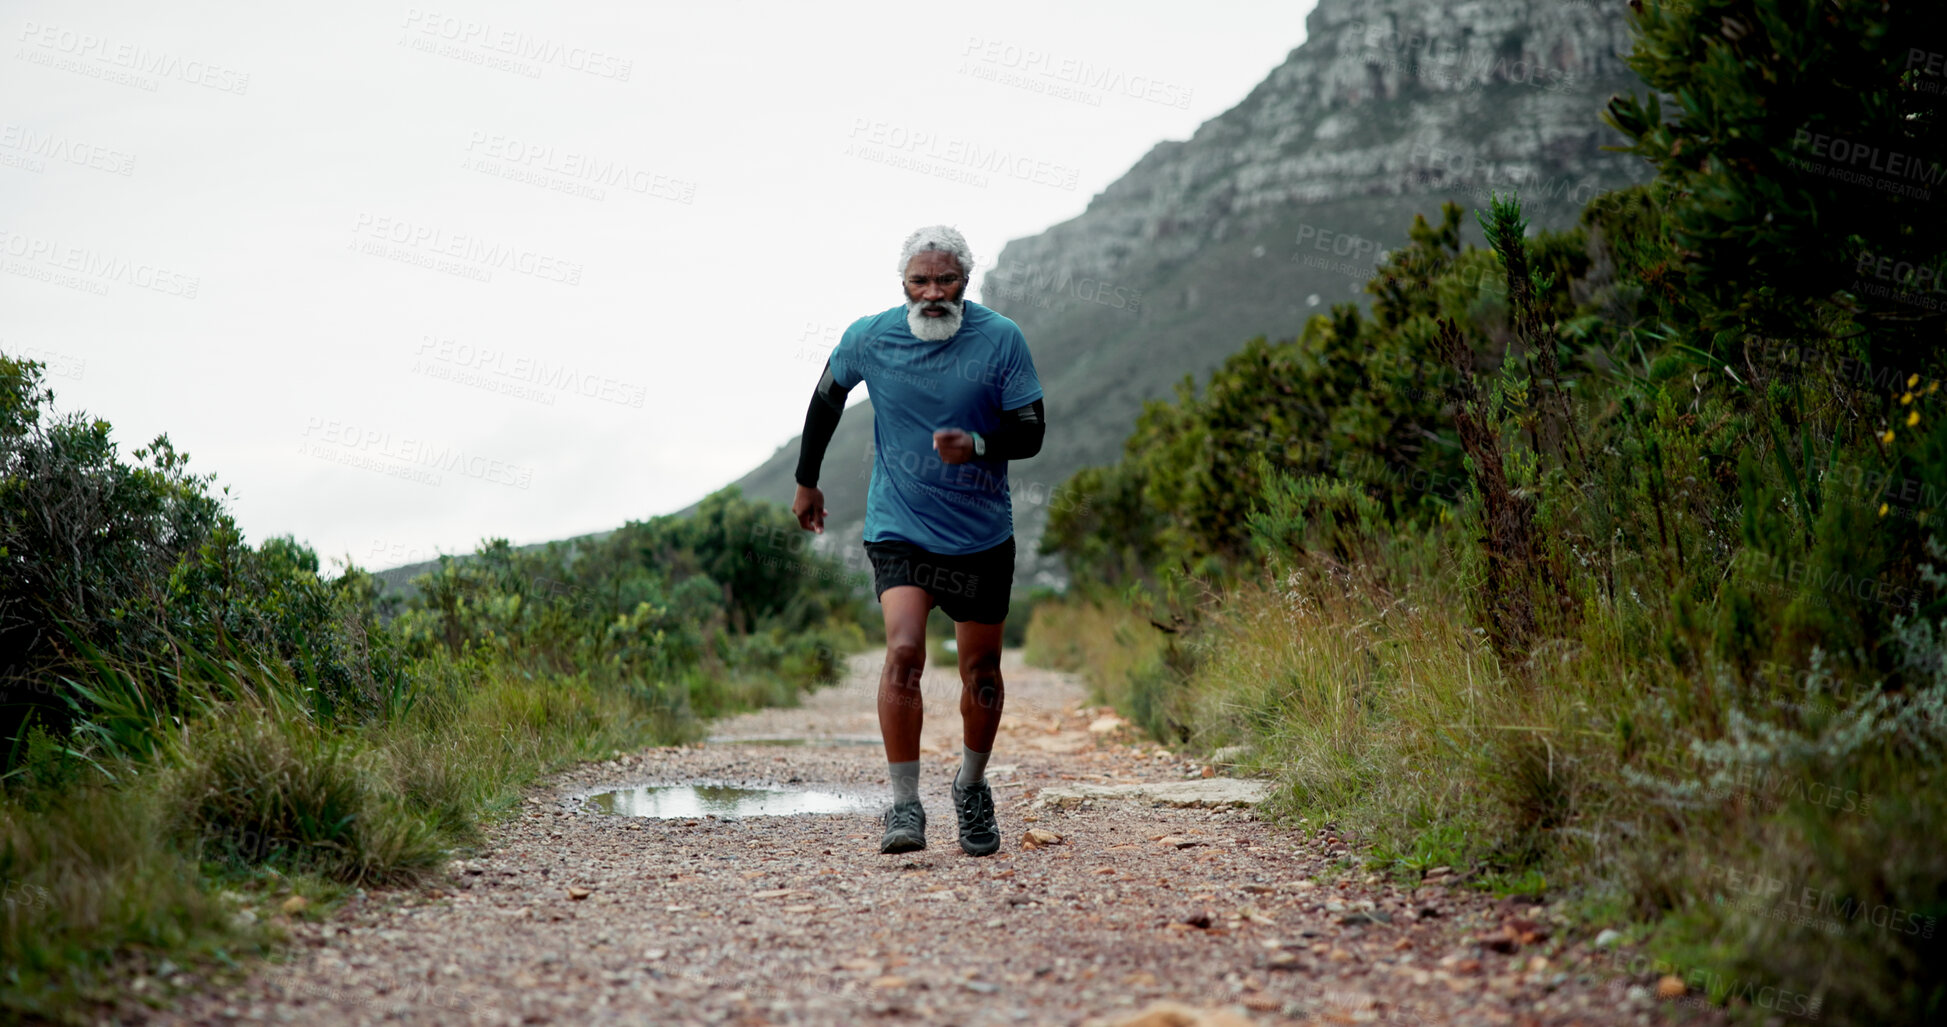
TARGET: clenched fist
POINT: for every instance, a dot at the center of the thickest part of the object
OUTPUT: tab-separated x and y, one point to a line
955	446
809	508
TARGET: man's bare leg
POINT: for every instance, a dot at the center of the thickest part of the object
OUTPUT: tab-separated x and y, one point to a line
906	607
981	691
981	697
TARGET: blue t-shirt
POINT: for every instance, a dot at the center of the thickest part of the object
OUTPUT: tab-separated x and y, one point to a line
918	388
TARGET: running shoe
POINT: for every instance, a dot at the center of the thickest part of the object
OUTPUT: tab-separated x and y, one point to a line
979	835
905	827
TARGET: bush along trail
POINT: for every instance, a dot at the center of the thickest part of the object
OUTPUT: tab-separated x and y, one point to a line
1606	561
1134	886
200	733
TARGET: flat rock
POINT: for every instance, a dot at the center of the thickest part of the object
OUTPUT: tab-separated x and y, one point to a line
1176	1014
1211	791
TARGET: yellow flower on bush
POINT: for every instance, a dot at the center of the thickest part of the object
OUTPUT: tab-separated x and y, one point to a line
1913	418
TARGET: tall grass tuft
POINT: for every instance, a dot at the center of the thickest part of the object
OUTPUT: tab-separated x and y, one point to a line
93	895
264	786
1118	653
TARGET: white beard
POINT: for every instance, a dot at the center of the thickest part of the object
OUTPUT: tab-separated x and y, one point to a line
935	329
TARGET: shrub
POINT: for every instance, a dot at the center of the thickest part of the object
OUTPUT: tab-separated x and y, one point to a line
263	786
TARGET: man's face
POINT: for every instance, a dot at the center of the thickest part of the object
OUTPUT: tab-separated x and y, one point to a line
934	279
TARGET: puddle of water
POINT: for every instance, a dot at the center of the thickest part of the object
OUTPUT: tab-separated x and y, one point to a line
665	801
829	740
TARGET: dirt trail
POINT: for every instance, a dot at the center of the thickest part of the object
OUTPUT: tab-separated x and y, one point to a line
578	916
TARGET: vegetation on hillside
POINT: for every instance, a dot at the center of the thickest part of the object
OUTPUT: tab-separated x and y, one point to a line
1604	558
203	736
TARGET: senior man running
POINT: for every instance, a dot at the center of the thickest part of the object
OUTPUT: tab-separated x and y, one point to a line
954	397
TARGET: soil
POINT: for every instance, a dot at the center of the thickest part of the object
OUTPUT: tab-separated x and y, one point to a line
574	915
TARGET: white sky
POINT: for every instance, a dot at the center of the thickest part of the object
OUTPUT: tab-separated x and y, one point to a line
189	194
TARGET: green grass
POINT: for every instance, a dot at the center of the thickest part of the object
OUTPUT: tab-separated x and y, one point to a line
98	897
1446	845
1373	706
177	869
1109	646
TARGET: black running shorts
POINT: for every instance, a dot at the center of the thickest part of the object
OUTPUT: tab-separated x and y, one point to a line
973	587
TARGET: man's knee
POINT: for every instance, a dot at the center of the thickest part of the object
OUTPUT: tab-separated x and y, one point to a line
980	679
906	656
976	666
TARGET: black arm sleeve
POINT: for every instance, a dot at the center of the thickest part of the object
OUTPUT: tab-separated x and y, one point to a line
827	405
1019	435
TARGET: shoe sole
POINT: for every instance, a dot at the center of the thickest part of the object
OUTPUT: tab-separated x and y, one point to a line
902	843
987	851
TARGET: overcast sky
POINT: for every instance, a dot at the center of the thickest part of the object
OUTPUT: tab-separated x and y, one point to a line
407	277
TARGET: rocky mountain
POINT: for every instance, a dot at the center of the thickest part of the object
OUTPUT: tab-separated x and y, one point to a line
1273	211
1276	209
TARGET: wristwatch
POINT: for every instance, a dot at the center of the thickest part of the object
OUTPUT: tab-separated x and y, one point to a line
980	444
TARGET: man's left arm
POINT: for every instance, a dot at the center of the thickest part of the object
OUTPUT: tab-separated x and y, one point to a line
1018	437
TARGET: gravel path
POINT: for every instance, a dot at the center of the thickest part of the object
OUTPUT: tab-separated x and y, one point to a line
576	915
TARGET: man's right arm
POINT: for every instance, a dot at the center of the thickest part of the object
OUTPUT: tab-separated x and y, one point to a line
820	421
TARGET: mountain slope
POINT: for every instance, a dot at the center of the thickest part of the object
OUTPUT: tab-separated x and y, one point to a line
1275	210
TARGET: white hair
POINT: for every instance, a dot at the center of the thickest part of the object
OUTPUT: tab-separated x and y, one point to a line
937	237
